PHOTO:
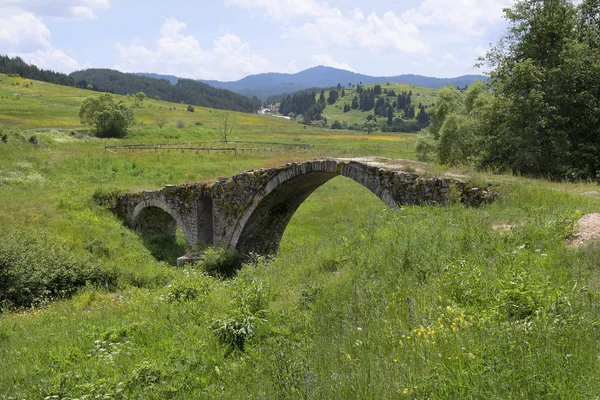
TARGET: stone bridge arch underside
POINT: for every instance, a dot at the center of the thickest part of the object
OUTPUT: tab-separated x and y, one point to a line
251	210
262	224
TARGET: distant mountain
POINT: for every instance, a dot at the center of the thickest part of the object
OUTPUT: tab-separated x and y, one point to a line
177	90
265	85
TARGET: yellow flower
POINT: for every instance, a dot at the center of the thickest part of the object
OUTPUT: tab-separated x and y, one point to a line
405	391
395	360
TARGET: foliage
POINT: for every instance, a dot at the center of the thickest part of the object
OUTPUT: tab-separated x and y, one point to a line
455	133
34	269
545	77
110	118
221	262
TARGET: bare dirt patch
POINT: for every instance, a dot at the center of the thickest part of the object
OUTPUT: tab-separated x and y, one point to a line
589	231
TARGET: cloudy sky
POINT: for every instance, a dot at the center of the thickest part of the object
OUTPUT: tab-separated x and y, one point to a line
229	39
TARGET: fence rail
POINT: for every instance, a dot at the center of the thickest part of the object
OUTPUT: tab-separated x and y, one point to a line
227	147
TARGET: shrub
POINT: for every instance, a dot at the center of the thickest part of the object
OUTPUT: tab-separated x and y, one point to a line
34	269
222	262
235	330
180	124
191	109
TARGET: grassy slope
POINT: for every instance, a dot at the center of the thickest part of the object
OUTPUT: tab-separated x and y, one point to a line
335	111
361	302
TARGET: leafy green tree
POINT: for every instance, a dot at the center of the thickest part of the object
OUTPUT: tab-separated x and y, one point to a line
377	90
370	127
456	131
139	98
110	118
546	83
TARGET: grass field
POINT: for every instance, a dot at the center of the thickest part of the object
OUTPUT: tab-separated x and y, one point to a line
360	302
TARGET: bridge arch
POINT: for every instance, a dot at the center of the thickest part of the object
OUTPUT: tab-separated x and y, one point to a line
154	217
261	226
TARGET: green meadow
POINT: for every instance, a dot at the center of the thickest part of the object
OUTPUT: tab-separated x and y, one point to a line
360	302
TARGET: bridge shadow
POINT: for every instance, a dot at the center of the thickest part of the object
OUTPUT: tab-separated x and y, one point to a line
166	247
161	235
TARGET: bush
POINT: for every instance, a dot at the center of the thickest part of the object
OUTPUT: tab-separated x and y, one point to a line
336	125
180	124
235	330
191	109
33	269
222	262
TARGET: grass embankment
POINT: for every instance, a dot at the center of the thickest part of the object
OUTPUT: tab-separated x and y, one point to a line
360	302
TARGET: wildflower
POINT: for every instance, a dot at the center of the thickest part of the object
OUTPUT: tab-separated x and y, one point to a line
472	356
359	329
406	390
217	370
395	361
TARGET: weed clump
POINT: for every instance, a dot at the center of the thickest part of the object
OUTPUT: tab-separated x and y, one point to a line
222	262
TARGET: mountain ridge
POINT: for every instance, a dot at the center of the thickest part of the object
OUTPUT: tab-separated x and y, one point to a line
274	83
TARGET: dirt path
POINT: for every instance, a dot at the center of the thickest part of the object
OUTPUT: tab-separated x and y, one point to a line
589	231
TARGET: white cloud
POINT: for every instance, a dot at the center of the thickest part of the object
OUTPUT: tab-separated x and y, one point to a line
229	58
329	26
471	17
67	9
27	36
23	31
358	31
328	61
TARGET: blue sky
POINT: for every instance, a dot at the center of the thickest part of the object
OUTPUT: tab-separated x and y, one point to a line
230	39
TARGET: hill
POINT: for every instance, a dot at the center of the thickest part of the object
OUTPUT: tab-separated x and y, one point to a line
265	85
183	91
105	80
393	107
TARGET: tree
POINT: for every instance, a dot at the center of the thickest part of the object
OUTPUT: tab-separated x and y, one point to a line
546	83
110	118
333	96
139	98
377	90
369	127
226	127
455	134
89	86
161	120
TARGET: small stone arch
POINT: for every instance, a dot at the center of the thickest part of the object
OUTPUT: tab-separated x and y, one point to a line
156	217
261	225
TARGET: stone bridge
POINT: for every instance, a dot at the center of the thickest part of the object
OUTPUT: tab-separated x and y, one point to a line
250	211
